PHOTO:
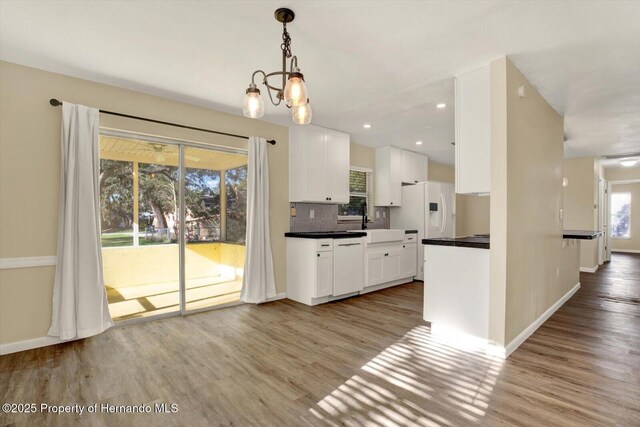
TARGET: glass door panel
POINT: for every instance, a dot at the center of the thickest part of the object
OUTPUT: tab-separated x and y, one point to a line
215	189
139	189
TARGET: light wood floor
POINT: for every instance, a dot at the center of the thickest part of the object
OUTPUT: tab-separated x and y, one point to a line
363	361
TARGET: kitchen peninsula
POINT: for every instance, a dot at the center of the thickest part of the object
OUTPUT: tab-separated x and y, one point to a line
457	282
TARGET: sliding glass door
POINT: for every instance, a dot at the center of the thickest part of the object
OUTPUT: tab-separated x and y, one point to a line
155	264
215	203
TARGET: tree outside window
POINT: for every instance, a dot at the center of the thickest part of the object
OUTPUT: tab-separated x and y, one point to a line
621	215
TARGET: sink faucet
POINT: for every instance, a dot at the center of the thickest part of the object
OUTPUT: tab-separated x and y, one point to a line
364	215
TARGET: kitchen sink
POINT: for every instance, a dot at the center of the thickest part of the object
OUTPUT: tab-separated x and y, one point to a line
382	235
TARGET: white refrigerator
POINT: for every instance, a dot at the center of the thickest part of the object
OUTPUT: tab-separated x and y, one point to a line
430	208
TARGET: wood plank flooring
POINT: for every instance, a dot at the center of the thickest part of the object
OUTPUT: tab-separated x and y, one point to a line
363	361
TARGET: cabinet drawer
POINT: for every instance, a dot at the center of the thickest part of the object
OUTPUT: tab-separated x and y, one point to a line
410	238
324	245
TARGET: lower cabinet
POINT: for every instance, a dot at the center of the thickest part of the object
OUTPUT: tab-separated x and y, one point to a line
323	274
319	270
384	264
409	259
322	270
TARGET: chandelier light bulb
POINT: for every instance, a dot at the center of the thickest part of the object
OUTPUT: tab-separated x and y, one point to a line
253	105
295	91
302	114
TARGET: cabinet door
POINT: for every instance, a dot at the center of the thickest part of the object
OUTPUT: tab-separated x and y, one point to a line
323	274
473	131
314	187
392	265
337	174
420	167
408	166
374	270
409	259
395	176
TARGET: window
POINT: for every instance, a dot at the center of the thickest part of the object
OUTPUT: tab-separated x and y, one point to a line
360	189
621	215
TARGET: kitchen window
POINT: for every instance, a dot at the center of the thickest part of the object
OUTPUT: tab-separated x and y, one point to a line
621	215
360	190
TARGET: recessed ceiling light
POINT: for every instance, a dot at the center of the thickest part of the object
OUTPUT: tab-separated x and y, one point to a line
441	106
628	163
366	126
418	142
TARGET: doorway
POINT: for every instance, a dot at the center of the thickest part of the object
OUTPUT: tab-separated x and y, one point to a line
173	217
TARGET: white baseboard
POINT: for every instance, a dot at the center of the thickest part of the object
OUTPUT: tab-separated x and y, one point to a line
14	347
281	295
515	343
626	251
27	262
588	269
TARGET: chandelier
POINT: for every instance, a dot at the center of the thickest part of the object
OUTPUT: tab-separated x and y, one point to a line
293	89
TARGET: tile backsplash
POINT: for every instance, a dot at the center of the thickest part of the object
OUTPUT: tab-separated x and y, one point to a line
325	218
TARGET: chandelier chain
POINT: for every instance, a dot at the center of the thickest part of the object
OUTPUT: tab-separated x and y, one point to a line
286	41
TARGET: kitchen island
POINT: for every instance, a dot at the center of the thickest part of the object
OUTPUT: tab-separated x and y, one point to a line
457	282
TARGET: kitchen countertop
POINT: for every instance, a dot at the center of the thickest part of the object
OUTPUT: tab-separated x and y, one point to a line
482	241
325	234
465	242
581	234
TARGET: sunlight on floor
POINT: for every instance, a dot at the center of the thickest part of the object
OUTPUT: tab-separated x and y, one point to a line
394	387
147	300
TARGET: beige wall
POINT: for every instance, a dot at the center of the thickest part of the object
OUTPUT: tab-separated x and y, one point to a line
622	174
526	197
472	212
632	244
29	175
580	198
362	156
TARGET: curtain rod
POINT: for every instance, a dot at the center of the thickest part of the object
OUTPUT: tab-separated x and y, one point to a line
54	102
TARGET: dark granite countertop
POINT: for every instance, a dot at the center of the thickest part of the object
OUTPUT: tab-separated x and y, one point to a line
325	234
581	234
464	242
482	241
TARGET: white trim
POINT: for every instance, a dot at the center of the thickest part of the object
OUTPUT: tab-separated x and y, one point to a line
14	347
276	297
27	262
588	269
628	251
381	286
515	343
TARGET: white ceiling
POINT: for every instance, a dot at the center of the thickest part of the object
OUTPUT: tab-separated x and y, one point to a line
381	62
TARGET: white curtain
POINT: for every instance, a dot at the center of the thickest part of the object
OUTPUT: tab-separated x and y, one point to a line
258	283
80	306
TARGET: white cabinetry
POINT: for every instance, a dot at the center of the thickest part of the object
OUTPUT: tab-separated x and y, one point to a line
323	274
318	165
393	168
388	176
414	167
473	132
320	270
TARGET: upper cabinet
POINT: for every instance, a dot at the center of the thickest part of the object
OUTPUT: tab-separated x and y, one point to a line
414	167
473	132
394	167
318	165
